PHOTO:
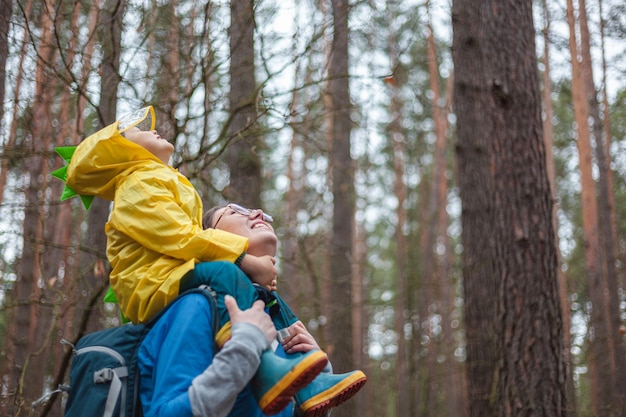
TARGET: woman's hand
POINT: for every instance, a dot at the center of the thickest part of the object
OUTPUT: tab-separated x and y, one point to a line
299	339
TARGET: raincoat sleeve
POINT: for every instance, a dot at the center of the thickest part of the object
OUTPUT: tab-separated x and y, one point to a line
161	210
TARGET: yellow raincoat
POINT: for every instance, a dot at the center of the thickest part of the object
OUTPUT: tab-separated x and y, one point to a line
154	232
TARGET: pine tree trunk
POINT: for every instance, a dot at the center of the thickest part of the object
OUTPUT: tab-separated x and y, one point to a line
477	188
605	211
526	318
549	144
607	249
242	154
56	258
6	9
95	280
7	366
449	372
602	344
342	176
360	322
606	132
169	76
10	144
29	368
398	143
293	201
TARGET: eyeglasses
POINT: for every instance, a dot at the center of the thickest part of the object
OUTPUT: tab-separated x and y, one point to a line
244	212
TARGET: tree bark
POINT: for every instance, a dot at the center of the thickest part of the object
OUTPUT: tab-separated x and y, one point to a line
603	286
95	280
496	73
6	10
7	366
342	175
605	211
606	132
9	145
243	153
29	368
603	346
477	192
397	138
548	137
449	372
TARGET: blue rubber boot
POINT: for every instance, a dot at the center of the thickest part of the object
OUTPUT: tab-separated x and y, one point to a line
278	379
328	391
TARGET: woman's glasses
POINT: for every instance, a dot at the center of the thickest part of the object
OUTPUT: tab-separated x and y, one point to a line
244	212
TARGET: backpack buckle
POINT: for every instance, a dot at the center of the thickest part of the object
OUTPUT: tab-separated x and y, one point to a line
103	376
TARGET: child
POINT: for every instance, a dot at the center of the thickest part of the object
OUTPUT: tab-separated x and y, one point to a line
154	233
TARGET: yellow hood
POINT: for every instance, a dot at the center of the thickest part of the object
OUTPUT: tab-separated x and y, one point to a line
102	159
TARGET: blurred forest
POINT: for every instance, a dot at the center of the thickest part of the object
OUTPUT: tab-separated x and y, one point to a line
445	177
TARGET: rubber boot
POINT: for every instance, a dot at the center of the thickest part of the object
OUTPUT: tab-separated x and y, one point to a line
278	379
328	391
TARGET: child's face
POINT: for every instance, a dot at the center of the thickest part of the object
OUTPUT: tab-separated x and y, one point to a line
261	237
151	140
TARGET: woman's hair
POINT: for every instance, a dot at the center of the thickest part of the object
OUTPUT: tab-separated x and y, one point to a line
207	219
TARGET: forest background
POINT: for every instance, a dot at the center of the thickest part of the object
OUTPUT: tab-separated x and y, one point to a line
348	122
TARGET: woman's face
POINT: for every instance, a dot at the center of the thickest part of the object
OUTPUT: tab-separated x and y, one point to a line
261	237
151	140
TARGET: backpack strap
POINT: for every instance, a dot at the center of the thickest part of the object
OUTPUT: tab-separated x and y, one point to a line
112	376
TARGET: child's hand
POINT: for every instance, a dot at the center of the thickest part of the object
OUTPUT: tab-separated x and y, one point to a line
260	269
299	339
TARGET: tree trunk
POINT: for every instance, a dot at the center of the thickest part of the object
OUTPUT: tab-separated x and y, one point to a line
605	211
606	118
549	144
342	176
398	140
303	281
525	369
397	137
449	372
7	366
9	145
55	259
29	368
476	187
169	76
243	153
602	344
6	10
360	322
93	278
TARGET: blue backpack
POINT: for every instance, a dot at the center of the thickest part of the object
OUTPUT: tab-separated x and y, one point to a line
104	377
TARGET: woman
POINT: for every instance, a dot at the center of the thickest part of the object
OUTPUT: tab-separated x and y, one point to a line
327	390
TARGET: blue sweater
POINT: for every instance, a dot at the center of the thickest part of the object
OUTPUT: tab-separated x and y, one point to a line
182	376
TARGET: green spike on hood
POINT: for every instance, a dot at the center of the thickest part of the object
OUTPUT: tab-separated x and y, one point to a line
66	153
99	149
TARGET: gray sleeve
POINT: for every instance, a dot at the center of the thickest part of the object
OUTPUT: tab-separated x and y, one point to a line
213	393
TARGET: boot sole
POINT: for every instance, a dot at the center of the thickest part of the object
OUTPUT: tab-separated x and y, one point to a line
281	394
339	393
